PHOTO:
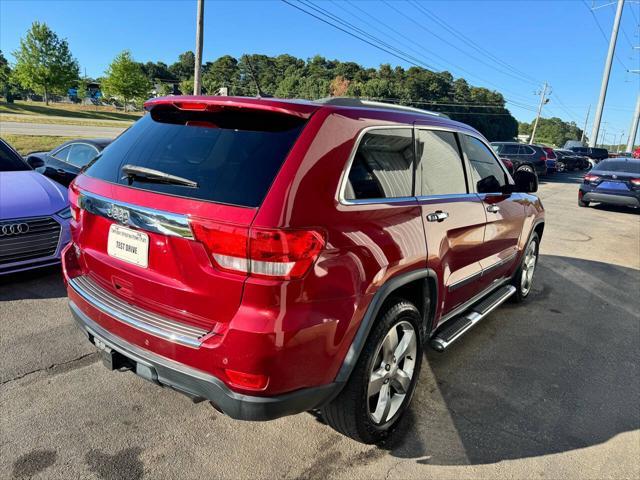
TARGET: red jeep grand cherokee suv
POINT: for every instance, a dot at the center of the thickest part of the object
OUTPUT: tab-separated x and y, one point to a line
276	256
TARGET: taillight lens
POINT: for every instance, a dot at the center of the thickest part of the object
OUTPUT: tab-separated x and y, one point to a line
591	178
260	252
250	381
635	182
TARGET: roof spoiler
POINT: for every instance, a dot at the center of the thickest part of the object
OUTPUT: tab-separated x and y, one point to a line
217	103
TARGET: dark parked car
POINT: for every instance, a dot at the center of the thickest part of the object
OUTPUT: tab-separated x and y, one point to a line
530	158
279	256
614	182
569	160
34	215
596	154
63	163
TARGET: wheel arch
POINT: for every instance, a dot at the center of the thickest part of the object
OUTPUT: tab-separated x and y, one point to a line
417	286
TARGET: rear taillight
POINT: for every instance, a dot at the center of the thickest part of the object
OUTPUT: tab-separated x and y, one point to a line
635	182
260	252
590	178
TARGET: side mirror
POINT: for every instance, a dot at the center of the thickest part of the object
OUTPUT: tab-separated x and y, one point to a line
35	162
526	182
488	184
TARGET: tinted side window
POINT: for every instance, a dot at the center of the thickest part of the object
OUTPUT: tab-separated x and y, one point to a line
440	163
488	176
81	154
510	150
11	161
62	153
524	150
382	166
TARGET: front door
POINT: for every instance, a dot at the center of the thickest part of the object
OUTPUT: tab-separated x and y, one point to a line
505	212
454	218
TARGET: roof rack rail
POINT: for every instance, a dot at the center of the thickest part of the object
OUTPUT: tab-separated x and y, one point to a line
358	102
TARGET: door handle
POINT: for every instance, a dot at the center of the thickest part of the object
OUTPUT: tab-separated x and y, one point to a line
61	171
437	216
493	209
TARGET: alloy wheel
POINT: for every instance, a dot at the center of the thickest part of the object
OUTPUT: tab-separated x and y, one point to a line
528	269
392	372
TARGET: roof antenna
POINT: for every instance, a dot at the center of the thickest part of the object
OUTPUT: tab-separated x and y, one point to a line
261	94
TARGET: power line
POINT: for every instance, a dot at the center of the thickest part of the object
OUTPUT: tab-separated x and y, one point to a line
604	35
468	41
350	33
360	31
447	61
360	34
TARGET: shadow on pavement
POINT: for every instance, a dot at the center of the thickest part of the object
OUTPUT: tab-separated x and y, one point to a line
564	177
557	373
33	284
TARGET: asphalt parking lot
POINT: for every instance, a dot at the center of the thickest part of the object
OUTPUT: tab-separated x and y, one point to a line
550	389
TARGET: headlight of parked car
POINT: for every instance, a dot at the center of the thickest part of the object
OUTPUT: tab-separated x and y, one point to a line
65	213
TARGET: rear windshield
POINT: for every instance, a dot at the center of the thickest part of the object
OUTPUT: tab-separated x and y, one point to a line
10	161
232	155
623	166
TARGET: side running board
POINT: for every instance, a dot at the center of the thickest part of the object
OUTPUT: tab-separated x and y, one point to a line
458	326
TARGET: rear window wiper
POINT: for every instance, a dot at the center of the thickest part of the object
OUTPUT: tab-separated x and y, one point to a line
150	175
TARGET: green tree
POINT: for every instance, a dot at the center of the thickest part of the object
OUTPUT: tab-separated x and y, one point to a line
184	68
186	86
44	62
552	131
224	72
83	88
125	79
5	74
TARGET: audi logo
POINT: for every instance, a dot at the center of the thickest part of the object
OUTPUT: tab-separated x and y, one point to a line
118	213
9	229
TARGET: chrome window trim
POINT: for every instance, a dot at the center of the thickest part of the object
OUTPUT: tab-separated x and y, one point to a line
345	172
143	218
448	196
79	143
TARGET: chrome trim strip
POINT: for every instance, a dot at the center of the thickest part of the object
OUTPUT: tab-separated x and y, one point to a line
136	317
482	272
143	218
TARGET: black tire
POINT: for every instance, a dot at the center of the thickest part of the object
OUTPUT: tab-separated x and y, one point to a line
582	204
349	413
521	293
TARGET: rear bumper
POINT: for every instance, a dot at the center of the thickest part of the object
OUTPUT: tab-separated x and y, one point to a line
198	384
611	199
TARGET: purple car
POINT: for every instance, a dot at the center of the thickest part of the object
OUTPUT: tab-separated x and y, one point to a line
34	215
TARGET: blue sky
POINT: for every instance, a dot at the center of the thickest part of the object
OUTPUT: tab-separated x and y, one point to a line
557	41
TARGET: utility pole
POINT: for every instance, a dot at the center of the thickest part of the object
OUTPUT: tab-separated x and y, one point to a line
543	101
586	120
633	131
197	74
605	76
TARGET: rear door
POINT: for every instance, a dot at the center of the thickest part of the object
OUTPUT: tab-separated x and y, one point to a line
152	241
454	218
505	212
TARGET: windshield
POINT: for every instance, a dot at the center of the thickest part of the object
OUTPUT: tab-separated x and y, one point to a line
230	156
623	166
10	161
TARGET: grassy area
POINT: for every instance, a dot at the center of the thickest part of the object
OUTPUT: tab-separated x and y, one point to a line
67	110
31	143
59	120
